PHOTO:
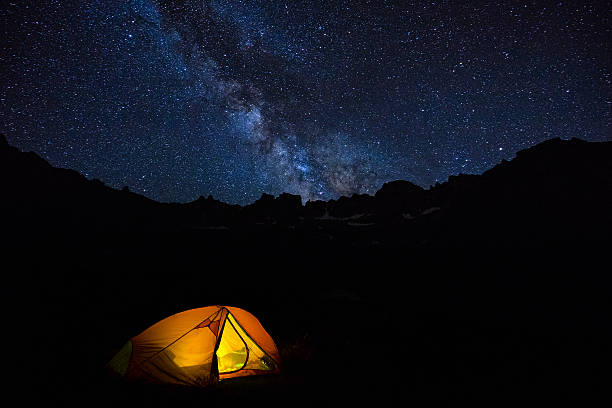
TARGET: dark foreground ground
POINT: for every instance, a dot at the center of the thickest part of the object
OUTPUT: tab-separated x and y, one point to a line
487	290
481	325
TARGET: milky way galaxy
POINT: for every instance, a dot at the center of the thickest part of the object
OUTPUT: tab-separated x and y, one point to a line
178	99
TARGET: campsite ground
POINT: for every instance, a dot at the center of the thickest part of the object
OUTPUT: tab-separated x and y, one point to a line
473	324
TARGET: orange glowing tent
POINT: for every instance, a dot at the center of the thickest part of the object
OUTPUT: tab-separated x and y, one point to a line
199	347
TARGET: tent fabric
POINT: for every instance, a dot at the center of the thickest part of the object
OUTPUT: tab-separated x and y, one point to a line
197	347
121	361
249	356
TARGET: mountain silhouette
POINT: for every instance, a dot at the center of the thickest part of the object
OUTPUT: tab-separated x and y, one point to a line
557	190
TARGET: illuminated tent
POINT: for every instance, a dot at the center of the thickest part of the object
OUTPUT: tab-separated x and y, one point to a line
198	347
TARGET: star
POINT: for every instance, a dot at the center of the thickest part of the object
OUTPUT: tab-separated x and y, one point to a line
177	99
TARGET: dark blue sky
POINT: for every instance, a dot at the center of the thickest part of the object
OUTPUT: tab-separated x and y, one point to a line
178	99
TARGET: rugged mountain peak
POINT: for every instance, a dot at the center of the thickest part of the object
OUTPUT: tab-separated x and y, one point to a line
398	187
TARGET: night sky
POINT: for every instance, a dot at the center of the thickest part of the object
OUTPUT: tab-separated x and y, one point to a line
178	99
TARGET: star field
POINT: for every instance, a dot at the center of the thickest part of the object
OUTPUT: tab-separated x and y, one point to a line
178	99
